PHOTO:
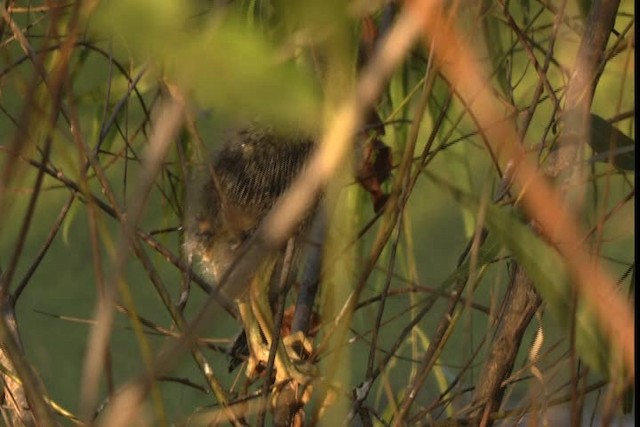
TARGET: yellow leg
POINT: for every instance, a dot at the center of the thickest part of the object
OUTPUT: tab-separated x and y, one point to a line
258	352
257	317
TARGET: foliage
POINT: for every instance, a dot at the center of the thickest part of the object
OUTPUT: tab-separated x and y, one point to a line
107	109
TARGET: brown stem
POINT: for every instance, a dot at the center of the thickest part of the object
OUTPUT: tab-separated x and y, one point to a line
519	306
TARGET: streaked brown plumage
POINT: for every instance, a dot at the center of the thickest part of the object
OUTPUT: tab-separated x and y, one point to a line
228	201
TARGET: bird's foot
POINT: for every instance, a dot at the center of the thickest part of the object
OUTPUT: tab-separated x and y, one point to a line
290	362
298	346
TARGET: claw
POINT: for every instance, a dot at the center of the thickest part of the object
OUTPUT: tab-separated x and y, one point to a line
298	346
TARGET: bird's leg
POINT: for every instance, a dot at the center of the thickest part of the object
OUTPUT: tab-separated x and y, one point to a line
258	351
313	244
261	311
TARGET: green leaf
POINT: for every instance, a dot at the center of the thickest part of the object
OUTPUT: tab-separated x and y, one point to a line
438	102
220	61
525	9
584	6
68	221
491	27
550	277
609	143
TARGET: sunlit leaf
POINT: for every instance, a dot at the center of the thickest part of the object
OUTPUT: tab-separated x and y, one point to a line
220	61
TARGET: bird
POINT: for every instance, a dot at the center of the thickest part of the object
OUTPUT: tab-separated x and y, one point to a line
226	204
